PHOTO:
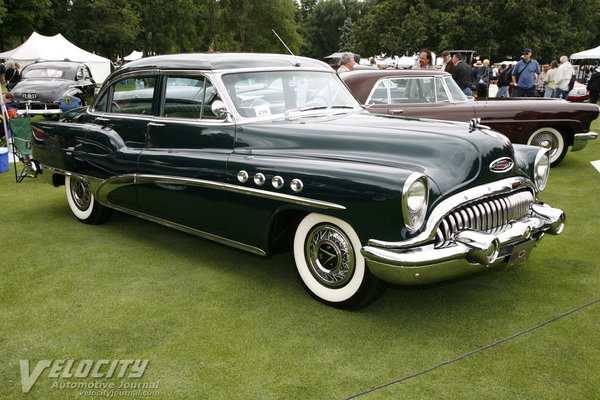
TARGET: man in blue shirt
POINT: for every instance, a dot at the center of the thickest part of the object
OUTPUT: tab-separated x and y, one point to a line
526	76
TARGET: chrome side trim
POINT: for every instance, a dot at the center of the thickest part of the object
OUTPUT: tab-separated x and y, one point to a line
192	231
438	213
63	172
110	184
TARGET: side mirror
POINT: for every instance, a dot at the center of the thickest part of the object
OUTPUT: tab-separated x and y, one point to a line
219	109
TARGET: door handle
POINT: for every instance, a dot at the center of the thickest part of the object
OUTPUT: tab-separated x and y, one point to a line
100	119
156	124
393	112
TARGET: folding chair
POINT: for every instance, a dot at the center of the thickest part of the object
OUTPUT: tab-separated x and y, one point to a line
21	145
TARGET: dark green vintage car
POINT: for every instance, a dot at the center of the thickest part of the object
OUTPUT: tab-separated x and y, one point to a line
265	152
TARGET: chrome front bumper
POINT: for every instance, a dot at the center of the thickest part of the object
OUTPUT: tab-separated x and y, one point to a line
471	251
580	140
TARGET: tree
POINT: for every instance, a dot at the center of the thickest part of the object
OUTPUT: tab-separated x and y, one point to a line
247	26
20	18
495	28
321	24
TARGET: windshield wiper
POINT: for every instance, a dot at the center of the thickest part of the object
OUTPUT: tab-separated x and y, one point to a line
288	112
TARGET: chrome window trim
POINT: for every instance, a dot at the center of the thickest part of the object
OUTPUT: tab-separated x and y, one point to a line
385	79
446	206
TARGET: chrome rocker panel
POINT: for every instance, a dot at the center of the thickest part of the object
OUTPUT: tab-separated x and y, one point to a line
472	251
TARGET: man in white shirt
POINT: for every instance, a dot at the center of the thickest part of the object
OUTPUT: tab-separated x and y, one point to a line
563	77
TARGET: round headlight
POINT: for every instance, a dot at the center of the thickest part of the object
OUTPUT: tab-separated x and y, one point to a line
541	169
415	196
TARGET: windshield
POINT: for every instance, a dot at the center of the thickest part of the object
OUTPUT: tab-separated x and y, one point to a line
44	73
258	94
455	92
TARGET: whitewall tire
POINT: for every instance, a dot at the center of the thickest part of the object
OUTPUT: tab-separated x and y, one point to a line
331	268
82	202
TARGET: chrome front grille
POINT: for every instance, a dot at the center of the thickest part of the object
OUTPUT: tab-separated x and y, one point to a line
490	215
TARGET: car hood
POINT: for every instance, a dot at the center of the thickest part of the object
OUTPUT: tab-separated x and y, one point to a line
452	154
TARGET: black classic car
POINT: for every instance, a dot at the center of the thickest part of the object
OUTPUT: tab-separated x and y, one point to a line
43	84
266	152
552	123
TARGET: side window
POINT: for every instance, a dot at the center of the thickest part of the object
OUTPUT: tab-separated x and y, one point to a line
402	91
133	96
103	102
86	73
441	90
187	97
80	74
210	96
380	93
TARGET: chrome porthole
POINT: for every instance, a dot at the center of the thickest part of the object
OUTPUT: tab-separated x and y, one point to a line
329	255
277	182
242	176
259	179
297	185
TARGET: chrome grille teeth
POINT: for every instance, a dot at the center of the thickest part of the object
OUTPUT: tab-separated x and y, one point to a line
489	215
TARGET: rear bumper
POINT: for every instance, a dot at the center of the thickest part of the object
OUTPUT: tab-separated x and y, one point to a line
580	140
471	251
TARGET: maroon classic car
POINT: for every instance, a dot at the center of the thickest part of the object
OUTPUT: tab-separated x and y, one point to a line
551	123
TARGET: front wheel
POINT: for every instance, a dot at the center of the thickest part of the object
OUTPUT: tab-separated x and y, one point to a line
82	202
550	138
329	263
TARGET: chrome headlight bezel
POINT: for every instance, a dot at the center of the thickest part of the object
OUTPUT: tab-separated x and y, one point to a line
415	199
541	169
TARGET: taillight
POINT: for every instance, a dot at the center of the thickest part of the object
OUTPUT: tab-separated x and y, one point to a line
38	133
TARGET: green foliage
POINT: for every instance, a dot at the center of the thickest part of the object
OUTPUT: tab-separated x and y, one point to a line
496	28
314	28
246	26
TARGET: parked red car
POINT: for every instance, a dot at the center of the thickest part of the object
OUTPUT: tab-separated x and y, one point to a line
551	123
579	93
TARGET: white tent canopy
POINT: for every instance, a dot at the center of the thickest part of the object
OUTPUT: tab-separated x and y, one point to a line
590	54
57	48
135	55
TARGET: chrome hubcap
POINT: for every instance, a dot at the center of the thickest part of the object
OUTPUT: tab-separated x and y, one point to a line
546	140
80	193
329	255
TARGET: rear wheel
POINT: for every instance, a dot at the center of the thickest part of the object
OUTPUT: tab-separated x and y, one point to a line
82	202
550	138
329	263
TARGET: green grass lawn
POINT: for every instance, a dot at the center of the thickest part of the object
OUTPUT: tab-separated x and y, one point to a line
218	323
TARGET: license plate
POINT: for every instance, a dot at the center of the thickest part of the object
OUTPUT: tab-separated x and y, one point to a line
521	252
30	96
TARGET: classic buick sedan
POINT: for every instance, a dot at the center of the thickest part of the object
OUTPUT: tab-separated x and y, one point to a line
265	152
549	123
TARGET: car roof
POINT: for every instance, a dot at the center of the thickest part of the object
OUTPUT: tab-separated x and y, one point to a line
55	64
222	61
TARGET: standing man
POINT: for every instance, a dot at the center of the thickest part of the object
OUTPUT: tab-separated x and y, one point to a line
448	64
594	85
562	77
425	61
461	73
503	81
526	76
346	62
